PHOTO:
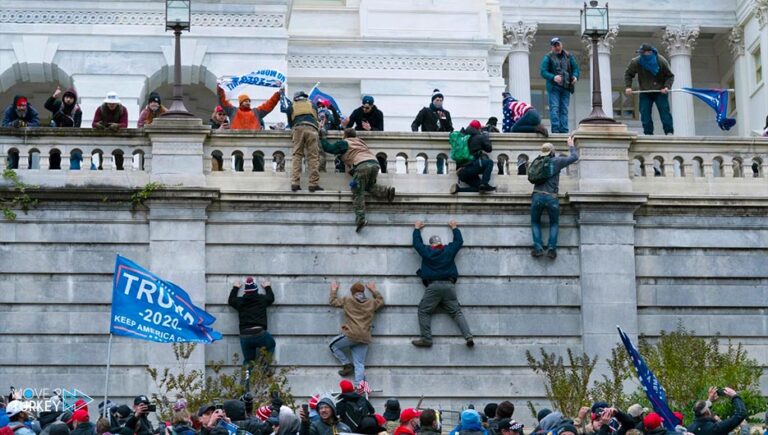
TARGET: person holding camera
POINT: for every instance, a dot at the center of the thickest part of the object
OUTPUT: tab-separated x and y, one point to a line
210	416
139	421
706	423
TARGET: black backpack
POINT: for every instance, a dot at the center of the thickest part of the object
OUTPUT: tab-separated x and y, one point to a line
542	169
351	413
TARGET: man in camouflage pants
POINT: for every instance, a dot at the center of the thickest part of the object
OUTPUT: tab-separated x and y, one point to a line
364	169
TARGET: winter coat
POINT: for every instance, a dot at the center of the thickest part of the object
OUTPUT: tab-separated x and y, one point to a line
710	426
479	143
63	115
349	402
140	426
19	428
552	184
289	422
553	65
358	317
247	119
85	428
352	150
322	428
235	410
251	308
104	116
438	263
375	118
147	116
645	79
403	430
10	116
429	120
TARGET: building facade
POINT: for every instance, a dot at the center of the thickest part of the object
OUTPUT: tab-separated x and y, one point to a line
398	51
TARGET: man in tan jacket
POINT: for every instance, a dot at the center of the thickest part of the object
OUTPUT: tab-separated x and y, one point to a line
364	168
356	329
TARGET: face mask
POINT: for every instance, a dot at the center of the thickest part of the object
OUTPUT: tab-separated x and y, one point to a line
360	296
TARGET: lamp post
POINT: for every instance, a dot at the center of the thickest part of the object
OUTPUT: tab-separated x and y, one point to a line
178	15
594	24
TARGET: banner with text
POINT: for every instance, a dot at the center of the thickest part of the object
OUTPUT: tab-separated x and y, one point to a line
270	78
146	307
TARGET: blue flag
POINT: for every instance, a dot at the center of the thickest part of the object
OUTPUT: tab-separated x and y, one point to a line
316	94
717	99
653	388
147	307
270	78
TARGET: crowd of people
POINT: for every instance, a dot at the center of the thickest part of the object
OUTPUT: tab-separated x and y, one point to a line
351	412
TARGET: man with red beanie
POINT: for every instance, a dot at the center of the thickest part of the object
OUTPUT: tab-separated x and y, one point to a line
356	329
243	117
20	114
352	407
476	173
409	420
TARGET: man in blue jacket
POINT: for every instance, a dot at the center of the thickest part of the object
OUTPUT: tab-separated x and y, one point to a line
561	71
439	274
20	114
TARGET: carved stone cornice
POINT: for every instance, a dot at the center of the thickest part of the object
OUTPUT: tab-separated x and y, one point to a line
520	36
389	63
736	41
761	12
604	43
680	39
61	17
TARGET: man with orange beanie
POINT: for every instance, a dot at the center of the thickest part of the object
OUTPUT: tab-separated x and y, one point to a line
243	117
356	329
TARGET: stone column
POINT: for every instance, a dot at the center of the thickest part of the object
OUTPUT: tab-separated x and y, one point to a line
740	79
519	38
604	47
761	12
177	151
680	41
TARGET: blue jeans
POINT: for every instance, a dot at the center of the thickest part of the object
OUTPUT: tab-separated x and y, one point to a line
528	122
471	174
559	100
662	105
540	202
251	346
359	351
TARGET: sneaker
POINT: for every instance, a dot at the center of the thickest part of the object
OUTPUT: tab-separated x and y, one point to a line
454	189
360	225
346	370
315	189
421	342
391	194
552	253
540	129
537	252
470	342
295	187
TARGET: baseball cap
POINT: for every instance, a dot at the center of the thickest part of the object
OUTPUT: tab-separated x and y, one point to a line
652	421
141	399
409	414
205	408
645	47
554	41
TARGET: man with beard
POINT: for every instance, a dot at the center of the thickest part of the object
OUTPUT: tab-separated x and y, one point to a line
20	114
66	113
434	117
366	117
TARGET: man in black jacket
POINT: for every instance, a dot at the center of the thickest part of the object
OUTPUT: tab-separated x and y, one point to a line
328	424
434	117
477	172
139	422
366	117
705	422
352	407
252	312
438	272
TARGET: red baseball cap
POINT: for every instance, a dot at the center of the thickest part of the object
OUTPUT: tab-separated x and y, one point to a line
476	124
346	386
652	421
409	414
80	416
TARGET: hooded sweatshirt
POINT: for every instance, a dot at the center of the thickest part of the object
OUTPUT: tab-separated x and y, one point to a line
358	316
30	117
289	422
322	428
65	115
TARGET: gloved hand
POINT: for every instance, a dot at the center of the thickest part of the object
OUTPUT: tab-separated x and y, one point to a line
100	126
114	126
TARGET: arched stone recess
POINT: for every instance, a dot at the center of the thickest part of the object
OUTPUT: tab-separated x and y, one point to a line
199	87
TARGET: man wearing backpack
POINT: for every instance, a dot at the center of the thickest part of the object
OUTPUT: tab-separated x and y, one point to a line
544	174
476	170
352	407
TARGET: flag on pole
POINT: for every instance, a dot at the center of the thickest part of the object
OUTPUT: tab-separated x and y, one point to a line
653	388
316	94
146	307
717	99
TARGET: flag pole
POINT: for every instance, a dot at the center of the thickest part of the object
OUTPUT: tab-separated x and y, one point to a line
106	380
653	91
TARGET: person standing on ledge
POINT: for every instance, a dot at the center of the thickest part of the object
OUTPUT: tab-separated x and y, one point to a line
243	117
653	74
434	117
561	71
302	115
438	272
367	117
252	313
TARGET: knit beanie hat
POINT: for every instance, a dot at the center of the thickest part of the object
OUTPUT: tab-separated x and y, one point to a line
154	97
543	413
490	410
263	413
437	94
250	286
346	386
567	428
357	287
475	124
242	97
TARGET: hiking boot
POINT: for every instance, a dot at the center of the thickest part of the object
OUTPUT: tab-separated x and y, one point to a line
486	188
295	187
391	194
421	342
470	342
540	129
346	370
552	253
360	225
537	252
454	189
315	189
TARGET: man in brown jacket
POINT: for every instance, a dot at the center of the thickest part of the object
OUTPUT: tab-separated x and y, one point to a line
356	329
364	168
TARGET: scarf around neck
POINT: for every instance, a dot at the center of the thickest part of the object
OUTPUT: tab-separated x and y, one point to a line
650	62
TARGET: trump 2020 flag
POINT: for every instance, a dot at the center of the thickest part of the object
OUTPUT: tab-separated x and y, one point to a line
717	99
316	94
147	307
653	388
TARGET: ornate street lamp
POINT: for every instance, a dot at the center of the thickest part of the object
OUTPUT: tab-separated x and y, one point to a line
178	14
594	24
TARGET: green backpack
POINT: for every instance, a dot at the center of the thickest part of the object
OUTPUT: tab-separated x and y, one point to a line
542	169
460	148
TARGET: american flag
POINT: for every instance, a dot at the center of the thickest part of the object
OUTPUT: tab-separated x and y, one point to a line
653	388
364	387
